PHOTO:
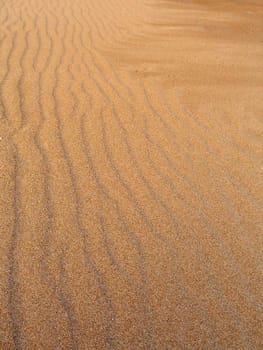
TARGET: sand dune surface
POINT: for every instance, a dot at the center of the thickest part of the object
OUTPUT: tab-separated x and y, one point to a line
131	174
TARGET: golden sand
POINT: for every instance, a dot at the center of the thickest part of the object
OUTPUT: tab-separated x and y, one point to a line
130	174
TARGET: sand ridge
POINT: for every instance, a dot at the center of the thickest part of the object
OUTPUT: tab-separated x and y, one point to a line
130	174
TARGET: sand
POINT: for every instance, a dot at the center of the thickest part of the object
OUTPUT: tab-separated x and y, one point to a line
131	174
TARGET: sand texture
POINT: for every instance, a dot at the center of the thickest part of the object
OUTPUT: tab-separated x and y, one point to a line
131	174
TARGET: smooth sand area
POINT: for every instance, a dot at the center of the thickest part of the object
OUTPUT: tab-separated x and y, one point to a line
131	174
